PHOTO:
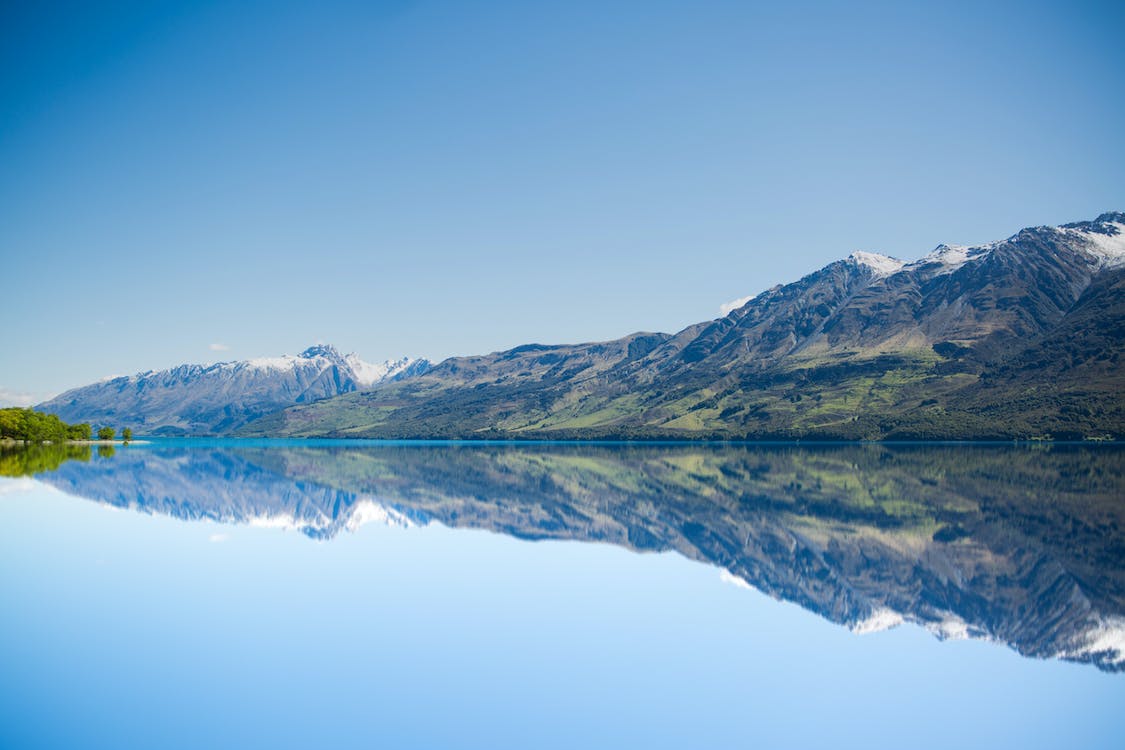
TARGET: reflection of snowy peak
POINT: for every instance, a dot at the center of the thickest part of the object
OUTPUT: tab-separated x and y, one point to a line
212	399
220	486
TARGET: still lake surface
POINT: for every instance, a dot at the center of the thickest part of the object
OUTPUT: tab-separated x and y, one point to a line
325	594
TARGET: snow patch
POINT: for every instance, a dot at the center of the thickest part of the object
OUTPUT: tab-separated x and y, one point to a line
283	522
727	577
880	265
1109	637
951	257
879	620
369	373
953	628
1107	248
284	362
369	510
1106	640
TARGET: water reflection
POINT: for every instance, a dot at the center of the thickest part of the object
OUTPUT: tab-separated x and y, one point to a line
20	461
1014	544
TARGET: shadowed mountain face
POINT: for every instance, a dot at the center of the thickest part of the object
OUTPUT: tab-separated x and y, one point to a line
1019	545
1019	338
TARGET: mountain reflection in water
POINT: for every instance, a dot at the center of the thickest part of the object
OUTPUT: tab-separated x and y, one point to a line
1021	545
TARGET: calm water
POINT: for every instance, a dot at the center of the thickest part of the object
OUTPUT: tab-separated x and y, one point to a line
270	594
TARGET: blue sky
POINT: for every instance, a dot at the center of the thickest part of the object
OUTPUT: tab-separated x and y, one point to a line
442	178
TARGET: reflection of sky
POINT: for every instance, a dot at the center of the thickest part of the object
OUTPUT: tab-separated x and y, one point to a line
129	630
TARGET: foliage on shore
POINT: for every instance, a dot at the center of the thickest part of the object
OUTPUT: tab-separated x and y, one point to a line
30	426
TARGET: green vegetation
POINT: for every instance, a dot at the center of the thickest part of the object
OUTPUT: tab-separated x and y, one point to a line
34	459
904	396
31	426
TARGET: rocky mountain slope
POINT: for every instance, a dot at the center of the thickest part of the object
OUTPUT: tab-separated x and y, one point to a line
218	398
1019	338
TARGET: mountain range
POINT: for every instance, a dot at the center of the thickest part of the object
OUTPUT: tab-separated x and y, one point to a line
218	398
1020	338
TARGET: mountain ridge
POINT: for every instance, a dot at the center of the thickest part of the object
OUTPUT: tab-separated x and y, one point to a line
867	347
199	399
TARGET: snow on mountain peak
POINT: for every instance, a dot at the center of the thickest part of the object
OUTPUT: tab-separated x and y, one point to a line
320	350
880	265
1103	238
324	356
369	373
878	620
951	257
284	362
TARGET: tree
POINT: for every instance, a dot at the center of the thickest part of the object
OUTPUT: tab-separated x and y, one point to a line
127	434
36	427
105	433
81	431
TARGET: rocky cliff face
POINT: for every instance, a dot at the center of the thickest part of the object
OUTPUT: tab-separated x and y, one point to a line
218	398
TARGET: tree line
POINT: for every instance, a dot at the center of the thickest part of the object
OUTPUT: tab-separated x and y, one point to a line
31	426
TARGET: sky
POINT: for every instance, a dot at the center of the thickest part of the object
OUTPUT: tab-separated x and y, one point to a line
204	181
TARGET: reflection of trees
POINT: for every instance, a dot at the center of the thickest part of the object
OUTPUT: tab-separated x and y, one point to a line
22	461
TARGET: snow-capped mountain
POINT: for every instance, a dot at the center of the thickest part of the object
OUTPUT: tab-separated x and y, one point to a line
1022	337
1102	240
217	398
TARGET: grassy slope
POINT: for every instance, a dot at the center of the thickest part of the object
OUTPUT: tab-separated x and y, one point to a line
886	396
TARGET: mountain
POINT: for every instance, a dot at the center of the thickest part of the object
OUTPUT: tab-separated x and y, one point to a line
950	538
218	398
1020	338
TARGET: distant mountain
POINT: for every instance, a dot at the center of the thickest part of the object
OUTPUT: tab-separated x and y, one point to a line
218	398
1017	338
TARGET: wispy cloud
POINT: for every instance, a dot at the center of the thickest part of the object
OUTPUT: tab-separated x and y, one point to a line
217	538
219	348
728	307
9	397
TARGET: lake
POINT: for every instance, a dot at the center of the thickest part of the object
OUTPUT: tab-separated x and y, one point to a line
210	593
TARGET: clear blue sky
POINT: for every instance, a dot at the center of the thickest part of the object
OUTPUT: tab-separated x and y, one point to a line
441	178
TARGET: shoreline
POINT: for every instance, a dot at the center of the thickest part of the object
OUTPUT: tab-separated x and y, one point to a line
9	442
